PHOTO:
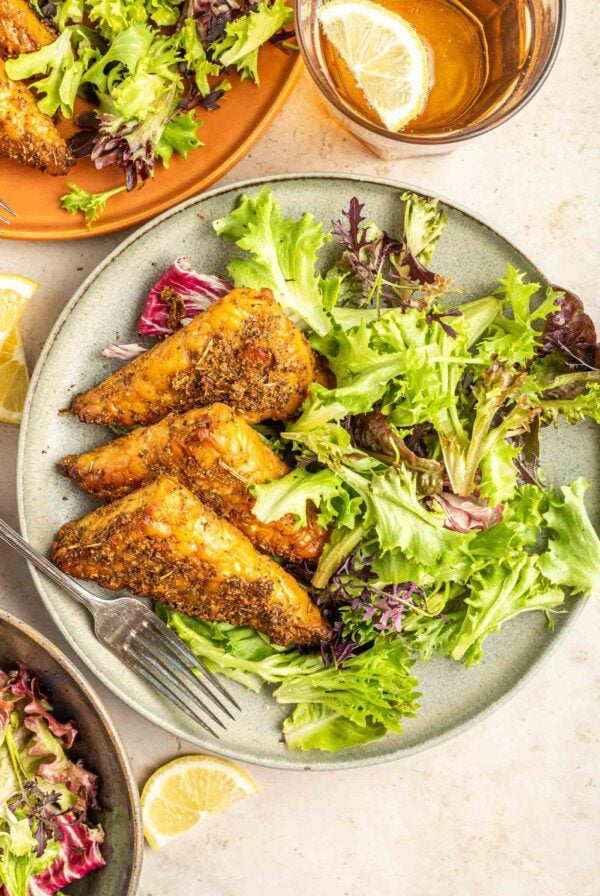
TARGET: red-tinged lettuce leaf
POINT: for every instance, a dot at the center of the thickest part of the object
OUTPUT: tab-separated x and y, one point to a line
571	333
177	297
465	514
367	252
57	768
79	854
213	16
374	434
389	273
19	689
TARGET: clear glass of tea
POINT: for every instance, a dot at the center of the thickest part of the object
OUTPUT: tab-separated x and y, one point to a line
487	58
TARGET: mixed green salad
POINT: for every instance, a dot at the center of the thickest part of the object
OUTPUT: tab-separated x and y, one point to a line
423	459
47	839
146	65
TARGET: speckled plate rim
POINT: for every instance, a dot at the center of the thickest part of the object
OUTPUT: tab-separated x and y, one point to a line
120	749
241	755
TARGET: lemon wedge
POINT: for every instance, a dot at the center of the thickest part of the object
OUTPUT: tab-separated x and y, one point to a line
385	54
184	792
15	292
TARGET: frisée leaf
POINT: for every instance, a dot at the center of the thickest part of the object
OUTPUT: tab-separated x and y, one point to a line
284	254
573	554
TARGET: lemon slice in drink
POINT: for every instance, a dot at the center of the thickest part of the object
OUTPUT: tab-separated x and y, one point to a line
188	790
15	292
385	54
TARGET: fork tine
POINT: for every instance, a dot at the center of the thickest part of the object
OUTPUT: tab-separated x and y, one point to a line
170	681
190	660
7	208
4	220
190	678
157	683
171	667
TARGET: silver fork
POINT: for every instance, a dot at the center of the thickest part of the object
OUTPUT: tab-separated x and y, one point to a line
141	640
7	209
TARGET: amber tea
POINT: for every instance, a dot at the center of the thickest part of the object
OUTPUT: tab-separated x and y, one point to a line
475	54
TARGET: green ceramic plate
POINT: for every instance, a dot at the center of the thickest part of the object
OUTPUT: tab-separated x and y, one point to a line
105	309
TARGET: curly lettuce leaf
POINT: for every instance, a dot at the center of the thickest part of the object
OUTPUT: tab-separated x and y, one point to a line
62	69
572	557
499	475
313	726
179	135
126	52
18	860
68	11
111	17
374	687
400	520
91	205
575	408
246	34
499	393
424	224
399	358
196	61
163	12
496	595
519	529
291	493
498	592
284	255
351	704
516	339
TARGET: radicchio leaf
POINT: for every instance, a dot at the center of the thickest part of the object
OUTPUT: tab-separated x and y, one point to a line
177	297
79	854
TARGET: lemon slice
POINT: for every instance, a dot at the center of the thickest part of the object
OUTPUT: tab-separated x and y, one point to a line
15	292
184	792
385	54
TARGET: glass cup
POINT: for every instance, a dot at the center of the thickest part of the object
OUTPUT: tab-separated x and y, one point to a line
523	38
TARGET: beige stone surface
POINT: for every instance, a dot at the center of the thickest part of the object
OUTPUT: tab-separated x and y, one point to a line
511	807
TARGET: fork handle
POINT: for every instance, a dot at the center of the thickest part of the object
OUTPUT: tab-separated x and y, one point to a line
22	547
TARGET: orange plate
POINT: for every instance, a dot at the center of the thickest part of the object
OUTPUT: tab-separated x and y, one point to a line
228	134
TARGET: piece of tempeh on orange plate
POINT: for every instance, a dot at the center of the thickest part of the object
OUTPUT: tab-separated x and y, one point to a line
162	542
243	351
26	134
21	30
218	456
